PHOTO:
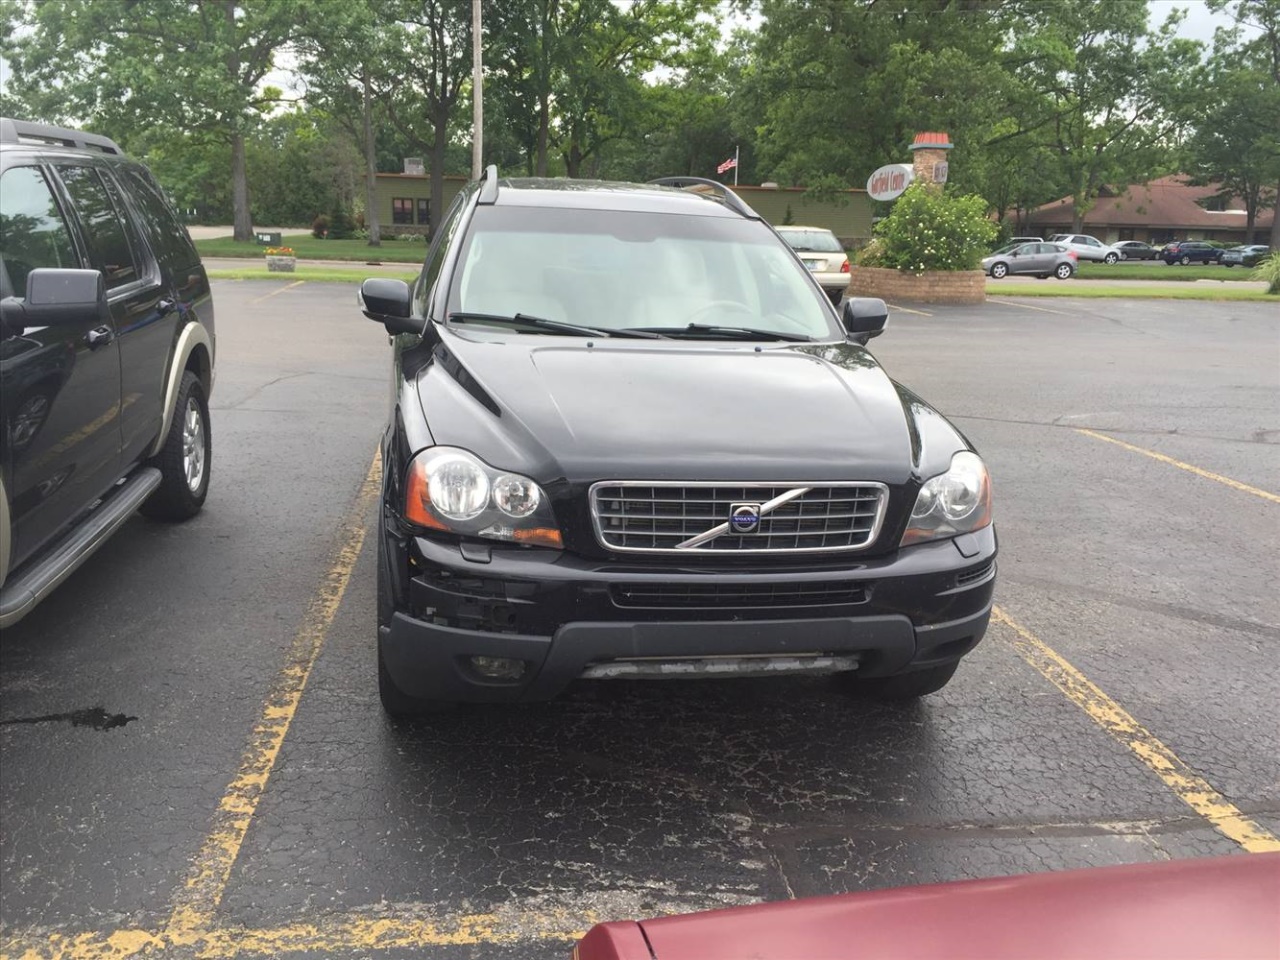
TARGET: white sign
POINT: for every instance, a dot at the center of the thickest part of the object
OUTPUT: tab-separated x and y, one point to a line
890	181
940	172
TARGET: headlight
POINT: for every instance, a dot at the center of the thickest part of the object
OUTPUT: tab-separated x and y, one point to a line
453	490
952	503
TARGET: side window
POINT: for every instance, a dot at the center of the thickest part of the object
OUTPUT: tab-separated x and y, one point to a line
32	231
1025	250
169	238
105	226
435	256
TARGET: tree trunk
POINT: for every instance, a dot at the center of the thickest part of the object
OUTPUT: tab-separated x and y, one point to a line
370	168
240	190
1077	219
573	161
544	125
437	171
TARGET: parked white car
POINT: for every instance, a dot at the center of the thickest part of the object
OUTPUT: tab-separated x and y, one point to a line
1086	247
823	256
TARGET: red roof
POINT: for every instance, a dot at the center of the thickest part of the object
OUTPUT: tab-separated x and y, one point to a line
1167	202
932	141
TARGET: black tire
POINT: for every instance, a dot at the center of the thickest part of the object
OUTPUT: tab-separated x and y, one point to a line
904	686
999	271
180	496
1185	261
395	702
1063	271
1228	265
1110	259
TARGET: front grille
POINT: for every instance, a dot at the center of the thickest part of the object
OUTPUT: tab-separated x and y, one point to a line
659	517
737	596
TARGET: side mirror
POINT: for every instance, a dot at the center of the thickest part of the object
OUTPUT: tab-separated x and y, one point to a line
387	302
864	318
57	297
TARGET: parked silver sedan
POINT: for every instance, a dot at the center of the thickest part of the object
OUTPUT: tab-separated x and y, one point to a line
1038	259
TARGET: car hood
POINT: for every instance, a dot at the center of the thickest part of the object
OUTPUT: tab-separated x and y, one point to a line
583	410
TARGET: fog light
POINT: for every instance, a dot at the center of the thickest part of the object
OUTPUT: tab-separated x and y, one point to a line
498	668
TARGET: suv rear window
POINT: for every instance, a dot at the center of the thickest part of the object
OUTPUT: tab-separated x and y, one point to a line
104	225
815	241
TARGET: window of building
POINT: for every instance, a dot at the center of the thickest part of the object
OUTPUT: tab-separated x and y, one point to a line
401	210
424	212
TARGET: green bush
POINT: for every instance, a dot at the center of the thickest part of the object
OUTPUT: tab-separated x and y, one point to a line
931	230
341	226
320	227
871	254
1269	270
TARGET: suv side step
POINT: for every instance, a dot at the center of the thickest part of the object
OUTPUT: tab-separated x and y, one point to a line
19	596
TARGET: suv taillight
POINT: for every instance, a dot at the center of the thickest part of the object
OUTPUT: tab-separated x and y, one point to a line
844	267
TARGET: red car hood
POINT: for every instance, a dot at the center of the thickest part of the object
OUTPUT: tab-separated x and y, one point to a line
1225	907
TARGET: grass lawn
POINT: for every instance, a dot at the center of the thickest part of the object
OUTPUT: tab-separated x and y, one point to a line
1124	291
307	273
1158	270
307	247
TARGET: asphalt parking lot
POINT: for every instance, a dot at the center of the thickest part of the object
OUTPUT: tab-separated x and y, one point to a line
195	763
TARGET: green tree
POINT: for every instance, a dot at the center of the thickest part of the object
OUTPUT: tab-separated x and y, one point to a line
192	66
1114	92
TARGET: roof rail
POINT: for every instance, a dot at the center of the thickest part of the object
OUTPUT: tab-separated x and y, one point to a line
726	196
18	131
489	185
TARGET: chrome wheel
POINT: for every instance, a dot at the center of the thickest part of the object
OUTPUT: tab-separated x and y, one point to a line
193	448
999	270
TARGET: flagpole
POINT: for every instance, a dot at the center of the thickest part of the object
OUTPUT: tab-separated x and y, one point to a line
735	166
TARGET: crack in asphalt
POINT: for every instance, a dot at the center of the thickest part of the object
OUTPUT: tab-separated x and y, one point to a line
95	717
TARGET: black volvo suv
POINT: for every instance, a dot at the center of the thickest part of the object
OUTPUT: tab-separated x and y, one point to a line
106	356
631	438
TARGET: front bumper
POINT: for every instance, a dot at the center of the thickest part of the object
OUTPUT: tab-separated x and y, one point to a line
565	616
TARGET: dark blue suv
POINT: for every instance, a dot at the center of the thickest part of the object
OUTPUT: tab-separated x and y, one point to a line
1190	251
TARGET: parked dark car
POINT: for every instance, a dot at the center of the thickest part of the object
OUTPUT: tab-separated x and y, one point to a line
1245	256
1136	250
632	438
1217	908
1190	251
106	356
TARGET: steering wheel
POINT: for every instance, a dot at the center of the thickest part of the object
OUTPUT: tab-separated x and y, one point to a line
732	305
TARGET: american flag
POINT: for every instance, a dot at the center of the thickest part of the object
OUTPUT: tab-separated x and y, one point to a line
727	165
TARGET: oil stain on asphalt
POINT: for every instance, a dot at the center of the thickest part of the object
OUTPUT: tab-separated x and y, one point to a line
96	717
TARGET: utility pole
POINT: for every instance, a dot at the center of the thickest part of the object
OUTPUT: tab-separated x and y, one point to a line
477	94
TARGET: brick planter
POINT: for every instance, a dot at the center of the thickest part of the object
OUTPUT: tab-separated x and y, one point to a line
960	286
281	264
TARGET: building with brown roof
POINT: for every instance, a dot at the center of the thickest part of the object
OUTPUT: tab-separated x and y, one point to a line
1169	208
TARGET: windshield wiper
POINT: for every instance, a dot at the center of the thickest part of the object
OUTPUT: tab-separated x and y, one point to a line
736	333
541	323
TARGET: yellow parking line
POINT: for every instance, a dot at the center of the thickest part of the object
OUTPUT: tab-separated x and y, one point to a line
918	313
1026	306
287	286
1190	788
195	905
1233	484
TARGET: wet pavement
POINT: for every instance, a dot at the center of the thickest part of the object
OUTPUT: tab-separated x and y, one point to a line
128	701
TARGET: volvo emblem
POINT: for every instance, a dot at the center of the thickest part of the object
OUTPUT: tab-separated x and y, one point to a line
744	517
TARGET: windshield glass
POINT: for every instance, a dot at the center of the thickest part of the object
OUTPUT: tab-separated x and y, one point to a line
612	270
816	241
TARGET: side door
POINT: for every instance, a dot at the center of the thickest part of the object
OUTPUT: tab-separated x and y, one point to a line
1023	259
60	384
143	310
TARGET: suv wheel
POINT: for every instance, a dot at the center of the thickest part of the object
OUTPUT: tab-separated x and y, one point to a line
904	686
1185	261
998	271
1110	258
184	460
1063	271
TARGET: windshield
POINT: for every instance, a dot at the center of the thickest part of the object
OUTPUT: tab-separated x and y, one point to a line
812	241
614	270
